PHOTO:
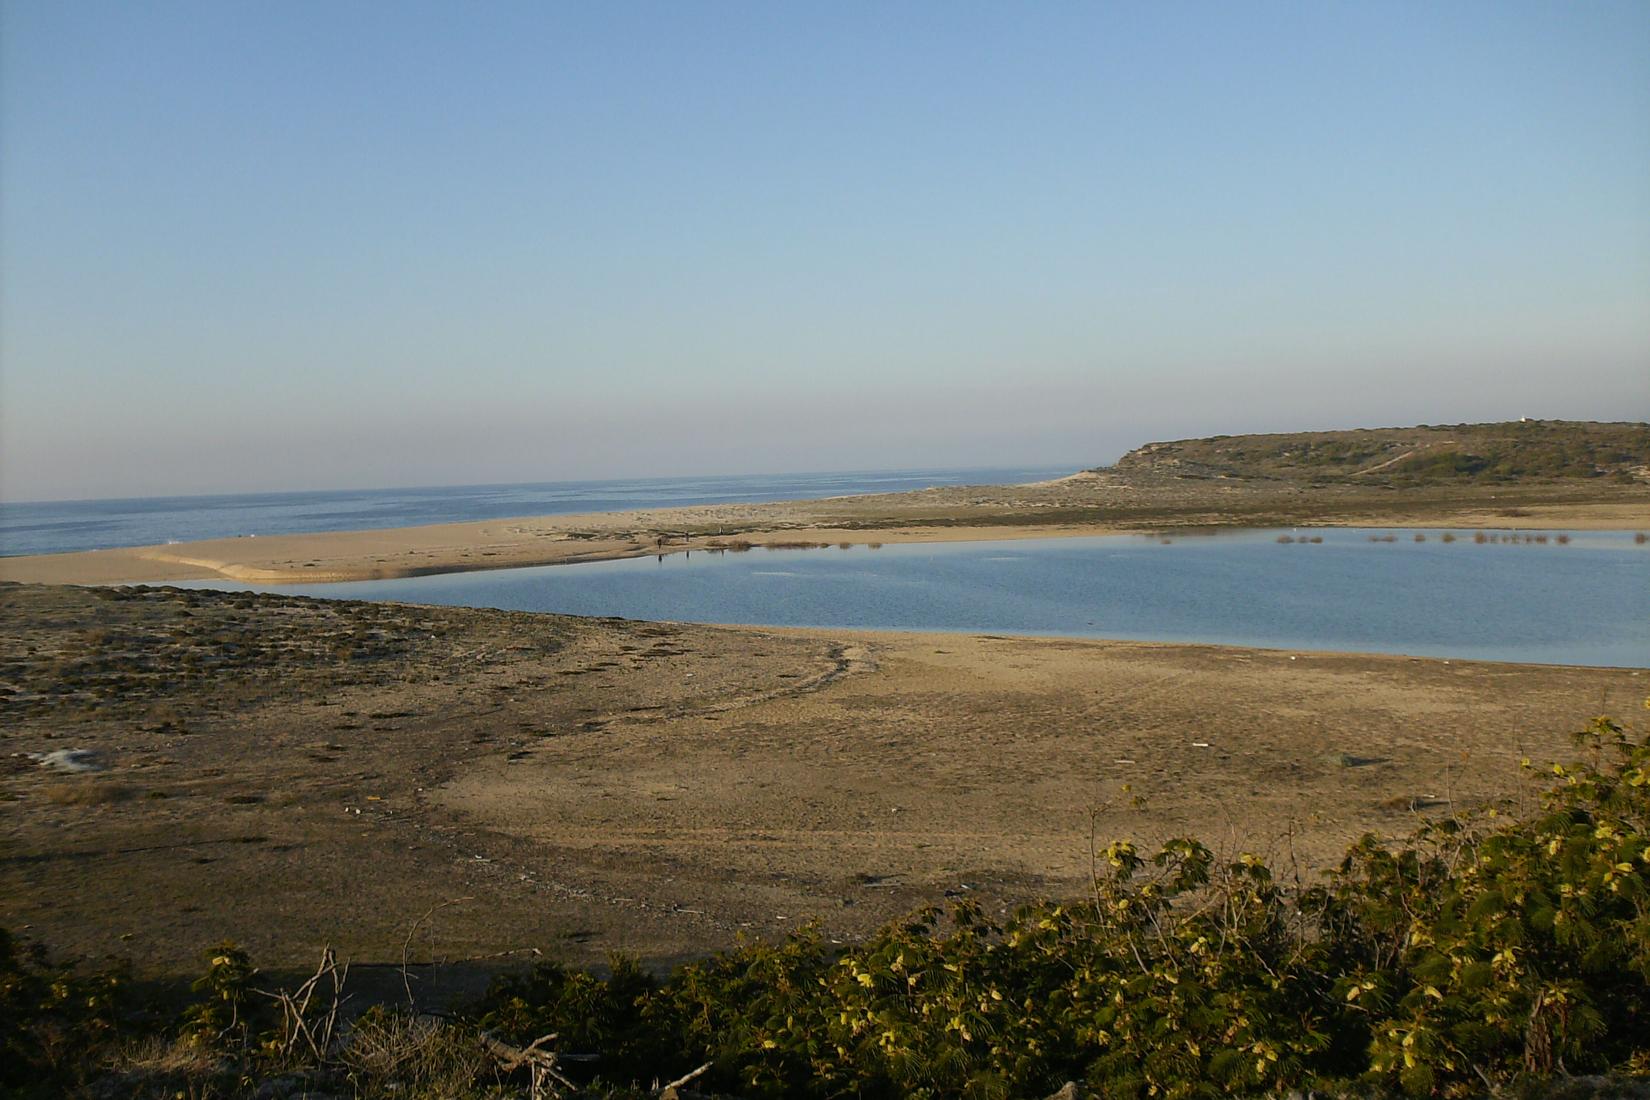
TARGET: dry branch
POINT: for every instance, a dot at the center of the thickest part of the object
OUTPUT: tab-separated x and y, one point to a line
406	945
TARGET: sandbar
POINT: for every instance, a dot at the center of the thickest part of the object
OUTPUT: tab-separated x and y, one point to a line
1092	503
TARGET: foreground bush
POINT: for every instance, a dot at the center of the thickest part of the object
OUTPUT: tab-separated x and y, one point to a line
50	1017
1522	950
1475	956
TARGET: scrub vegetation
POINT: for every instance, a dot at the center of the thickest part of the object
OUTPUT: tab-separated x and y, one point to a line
1520	451
1479	954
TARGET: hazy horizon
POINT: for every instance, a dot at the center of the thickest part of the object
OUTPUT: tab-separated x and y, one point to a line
312	247
776	475
655	475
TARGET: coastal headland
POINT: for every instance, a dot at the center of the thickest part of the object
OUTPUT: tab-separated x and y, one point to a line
1532	476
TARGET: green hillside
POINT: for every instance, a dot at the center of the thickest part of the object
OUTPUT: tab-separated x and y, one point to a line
1526	450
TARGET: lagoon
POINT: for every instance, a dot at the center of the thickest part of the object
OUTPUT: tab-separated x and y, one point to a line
1585	602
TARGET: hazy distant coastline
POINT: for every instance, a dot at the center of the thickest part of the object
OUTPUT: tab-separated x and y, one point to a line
1528	475
58	527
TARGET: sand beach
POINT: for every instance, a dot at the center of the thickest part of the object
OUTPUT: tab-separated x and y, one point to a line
1091	503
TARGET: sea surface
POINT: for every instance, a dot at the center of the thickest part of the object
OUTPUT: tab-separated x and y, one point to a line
1585	602
60	526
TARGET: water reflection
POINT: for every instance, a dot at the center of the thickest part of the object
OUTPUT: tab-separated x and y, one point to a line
1509	597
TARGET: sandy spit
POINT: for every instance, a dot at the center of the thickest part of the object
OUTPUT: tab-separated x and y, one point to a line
1086	504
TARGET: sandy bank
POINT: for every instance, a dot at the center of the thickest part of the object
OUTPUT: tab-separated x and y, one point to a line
417	551
1086	504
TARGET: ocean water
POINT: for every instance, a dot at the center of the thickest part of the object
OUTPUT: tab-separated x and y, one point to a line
1584	603
60	526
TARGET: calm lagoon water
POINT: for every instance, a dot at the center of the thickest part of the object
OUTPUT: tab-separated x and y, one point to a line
1585	603
54	527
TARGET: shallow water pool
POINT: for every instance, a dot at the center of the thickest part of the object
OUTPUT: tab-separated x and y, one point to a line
1585	602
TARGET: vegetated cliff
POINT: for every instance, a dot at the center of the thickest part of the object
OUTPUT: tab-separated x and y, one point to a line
1524	450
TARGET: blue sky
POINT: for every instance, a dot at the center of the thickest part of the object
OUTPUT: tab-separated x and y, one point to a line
294	245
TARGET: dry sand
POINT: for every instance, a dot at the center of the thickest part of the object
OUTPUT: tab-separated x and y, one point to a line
291	773
1085	504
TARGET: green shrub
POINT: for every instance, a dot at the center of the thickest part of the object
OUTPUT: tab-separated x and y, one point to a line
1483	956
52	1019
613	1016
227	1015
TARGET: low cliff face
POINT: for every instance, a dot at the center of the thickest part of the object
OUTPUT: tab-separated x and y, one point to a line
1526	450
